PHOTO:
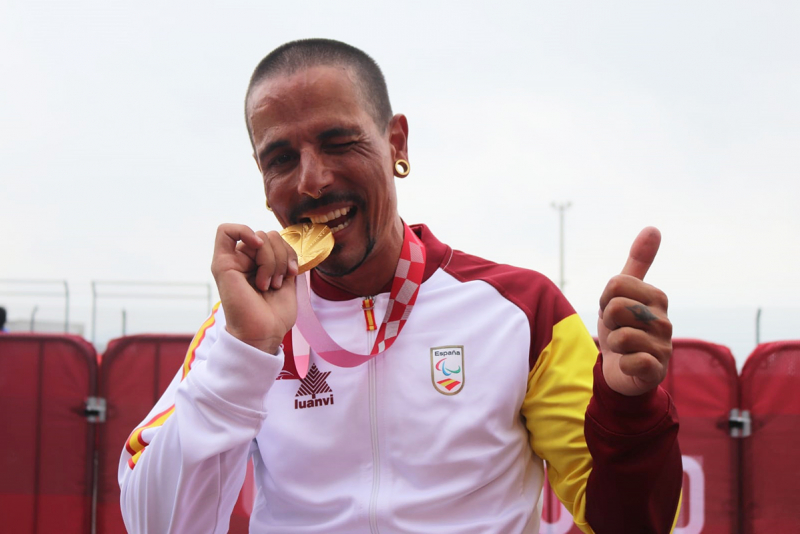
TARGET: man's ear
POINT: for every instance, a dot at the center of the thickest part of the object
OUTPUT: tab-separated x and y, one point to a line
398	137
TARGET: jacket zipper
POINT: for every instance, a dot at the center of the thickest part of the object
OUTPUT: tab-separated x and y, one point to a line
373	421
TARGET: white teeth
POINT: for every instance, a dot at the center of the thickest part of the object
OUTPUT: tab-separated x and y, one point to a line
341	226
331	215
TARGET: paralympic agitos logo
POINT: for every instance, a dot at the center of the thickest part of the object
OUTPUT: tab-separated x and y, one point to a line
447	369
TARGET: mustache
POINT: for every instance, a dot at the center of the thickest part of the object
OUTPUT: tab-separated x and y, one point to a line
309	204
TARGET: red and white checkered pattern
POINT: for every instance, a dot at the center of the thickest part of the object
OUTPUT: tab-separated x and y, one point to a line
405	288
308	332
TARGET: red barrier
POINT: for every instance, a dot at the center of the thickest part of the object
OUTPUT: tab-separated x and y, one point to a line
135	372
46	443
770	485
704	386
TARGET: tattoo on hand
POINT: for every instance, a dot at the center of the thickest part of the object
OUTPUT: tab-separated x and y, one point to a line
642	313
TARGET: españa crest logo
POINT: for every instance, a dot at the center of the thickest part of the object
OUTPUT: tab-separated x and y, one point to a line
447	369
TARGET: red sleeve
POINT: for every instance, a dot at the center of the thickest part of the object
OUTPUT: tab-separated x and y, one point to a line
636	477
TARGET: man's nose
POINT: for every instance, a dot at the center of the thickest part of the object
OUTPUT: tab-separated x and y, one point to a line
314	175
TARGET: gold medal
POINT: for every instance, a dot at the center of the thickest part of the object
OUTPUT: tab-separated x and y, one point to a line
312	243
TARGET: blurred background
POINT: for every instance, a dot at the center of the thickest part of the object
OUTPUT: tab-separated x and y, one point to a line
123	146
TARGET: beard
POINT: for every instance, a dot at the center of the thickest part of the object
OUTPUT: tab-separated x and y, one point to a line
336	267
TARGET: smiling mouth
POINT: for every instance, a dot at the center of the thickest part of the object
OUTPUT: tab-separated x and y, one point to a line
336	220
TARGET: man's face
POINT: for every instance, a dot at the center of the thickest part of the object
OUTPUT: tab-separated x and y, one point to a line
314	138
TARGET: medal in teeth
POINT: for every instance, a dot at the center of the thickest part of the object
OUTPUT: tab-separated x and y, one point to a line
312	242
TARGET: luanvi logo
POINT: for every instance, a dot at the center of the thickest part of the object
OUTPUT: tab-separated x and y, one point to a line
314	384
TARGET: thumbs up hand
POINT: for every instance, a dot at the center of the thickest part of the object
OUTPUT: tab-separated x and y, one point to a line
633	329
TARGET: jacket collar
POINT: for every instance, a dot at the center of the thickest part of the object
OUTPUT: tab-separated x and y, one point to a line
437	253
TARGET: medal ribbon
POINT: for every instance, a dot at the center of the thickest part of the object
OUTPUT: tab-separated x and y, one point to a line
403	295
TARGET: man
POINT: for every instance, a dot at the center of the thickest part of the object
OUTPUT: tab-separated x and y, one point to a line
478	373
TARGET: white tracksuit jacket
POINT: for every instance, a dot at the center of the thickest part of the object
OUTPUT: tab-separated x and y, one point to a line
444	432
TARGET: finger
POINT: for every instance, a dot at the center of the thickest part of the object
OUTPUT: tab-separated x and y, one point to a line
291	255
228	235
628	340
626	286
245	258
242	248
263	278
281	257
265	259
643	252
627	312
643	366
229	244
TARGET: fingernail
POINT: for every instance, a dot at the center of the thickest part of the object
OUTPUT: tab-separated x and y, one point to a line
266	284
278	281
293	266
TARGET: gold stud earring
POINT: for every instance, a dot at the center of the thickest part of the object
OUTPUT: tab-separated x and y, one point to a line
402	168
267	203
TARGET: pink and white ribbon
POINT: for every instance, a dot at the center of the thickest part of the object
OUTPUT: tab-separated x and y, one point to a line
308	332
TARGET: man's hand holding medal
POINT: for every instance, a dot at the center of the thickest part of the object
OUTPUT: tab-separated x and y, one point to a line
255	274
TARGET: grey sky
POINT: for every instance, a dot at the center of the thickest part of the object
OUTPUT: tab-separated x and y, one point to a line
123	146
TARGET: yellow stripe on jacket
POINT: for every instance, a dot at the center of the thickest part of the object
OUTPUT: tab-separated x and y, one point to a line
136	444
559	390
198	338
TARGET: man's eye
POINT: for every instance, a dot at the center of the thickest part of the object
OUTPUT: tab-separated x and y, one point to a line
280	160
340	146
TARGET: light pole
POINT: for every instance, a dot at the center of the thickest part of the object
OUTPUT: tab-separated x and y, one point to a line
33	317
562	207
758	326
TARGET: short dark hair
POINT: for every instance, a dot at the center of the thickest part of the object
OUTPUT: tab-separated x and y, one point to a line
2	317
296	55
